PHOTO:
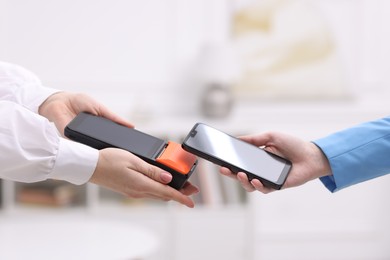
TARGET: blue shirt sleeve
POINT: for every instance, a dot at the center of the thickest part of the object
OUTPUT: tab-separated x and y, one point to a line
357	154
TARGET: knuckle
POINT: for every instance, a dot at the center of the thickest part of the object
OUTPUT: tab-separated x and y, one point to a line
151	172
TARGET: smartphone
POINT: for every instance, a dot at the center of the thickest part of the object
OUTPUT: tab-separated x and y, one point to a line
100	133
237	155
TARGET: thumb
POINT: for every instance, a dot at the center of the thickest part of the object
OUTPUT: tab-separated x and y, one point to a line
257	140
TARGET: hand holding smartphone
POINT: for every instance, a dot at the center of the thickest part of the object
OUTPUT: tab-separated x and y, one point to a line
237	155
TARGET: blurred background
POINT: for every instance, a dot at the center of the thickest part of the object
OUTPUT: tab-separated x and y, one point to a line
307	68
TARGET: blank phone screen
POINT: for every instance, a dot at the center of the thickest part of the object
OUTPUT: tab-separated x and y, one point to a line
117	135
236	152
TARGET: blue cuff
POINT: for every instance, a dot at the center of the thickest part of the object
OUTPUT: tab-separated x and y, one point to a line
329	183
357	154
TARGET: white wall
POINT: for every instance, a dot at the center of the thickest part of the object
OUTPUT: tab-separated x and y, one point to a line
132	46
120	48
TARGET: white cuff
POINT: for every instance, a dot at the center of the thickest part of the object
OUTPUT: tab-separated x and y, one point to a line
75	162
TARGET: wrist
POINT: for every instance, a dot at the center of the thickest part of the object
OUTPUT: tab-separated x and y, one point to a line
44	107
321	163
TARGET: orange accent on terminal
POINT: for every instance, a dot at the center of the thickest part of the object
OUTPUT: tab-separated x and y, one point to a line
176	158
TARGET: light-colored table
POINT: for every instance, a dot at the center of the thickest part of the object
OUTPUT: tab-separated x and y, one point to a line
73	236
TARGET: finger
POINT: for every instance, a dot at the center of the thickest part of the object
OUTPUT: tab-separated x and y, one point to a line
153	196
151	171
189	189
243	178
177	196
266	140
156	186
92	106
257	140
260	187
144	195
226	172
274	150
160	191
159	175
105	112
172	194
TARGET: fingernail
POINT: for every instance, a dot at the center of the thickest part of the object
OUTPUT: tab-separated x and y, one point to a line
166	177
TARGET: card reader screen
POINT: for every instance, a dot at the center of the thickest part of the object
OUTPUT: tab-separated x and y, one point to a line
117	135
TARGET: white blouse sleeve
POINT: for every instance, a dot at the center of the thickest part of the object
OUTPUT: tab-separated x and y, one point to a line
22	87
31	149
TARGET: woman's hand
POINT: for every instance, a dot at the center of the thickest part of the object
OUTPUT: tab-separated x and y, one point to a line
61	107
125	173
